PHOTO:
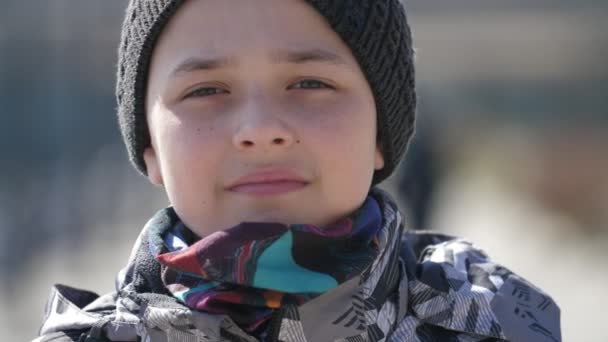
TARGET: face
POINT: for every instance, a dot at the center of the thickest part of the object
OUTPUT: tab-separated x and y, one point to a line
258	112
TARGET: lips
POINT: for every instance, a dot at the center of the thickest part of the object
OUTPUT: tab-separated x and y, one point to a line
268	182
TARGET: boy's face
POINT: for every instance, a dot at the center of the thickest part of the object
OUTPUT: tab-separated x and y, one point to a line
264	90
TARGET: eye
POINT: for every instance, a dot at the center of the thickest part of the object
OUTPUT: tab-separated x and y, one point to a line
206	91
310	84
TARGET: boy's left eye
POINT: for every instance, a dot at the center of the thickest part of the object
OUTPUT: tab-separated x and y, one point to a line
310	84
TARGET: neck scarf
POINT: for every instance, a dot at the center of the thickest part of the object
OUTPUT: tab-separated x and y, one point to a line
252	269
421	286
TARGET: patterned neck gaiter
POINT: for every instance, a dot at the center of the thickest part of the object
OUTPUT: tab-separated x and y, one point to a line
248	271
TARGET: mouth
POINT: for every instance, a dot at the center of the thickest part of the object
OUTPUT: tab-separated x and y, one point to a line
268	182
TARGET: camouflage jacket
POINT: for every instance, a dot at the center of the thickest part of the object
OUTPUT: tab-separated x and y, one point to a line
422	287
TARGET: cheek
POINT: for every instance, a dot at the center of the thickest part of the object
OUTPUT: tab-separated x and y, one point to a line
192	165
343	134
344	110
349	123
189	147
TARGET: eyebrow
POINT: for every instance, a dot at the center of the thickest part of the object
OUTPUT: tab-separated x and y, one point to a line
200	64
278	57
307	56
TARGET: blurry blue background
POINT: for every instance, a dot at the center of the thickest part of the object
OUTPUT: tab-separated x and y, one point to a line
511	149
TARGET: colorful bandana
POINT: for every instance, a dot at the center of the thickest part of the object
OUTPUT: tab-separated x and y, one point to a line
252	269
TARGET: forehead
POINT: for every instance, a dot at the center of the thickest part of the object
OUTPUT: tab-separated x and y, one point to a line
244	27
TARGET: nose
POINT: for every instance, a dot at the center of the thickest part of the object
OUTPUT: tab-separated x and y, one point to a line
260	128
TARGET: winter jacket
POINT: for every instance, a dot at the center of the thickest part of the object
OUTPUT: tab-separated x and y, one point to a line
422	287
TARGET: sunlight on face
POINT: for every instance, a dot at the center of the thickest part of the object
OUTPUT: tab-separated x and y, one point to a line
258	112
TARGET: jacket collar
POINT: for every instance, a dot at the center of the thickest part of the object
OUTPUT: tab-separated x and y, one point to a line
367	303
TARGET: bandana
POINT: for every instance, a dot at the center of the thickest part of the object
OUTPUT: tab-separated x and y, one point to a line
252	269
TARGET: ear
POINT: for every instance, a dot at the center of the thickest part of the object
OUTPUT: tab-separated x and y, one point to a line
378	158
153	166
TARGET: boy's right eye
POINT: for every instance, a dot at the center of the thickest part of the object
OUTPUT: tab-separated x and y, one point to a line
206	91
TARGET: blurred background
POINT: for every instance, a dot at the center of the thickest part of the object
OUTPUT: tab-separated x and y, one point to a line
511	149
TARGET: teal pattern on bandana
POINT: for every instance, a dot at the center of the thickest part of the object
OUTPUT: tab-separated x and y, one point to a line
251	269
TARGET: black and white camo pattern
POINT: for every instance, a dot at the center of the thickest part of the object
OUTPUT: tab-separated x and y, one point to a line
456	294
422	287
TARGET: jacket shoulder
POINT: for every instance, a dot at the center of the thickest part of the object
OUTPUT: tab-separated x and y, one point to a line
71	313
480	296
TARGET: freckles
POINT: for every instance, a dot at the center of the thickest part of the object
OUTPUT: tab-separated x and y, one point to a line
323	119
205	131
331	123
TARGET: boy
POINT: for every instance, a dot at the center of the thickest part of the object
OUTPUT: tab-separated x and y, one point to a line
268	123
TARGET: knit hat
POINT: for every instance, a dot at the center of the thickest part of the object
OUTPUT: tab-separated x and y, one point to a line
376	31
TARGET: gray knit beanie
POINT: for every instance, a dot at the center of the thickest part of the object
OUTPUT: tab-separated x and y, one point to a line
376	31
